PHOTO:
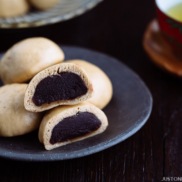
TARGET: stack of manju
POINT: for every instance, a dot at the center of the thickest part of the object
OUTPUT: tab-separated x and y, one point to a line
62	99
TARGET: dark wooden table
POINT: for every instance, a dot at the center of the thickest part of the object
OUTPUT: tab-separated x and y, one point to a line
114	27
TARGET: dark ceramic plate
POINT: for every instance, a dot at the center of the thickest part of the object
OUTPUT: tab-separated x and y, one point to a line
127	112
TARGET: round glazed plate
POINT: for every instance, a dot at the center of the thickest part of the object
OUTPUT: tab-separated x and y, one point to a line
64	10
128	111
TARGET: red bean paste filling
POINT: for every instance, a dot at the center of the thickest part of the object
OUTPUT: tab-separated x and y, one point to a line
75	126
62	86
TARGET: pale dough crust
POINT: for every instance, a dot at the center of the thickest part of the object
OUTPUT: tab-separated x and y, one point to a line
14	119
13	8
102	85
44	4
56	115
53	70
28	57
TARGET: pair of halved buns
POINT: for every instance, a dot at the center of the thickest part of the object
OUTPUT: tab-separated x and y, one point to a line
62	89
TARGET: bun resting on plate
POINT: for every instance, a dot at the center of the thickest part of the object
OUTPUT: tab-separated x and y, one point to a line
43	4
13	8
102	85
61	84
67	124
14	119
28	57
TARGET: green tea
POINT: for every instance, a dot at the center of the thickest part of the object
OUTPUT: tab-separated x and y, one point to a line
176	12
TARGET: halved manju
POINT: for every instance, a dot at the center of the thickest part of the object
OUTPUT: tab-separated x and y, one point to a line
61	84
67	124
